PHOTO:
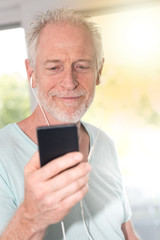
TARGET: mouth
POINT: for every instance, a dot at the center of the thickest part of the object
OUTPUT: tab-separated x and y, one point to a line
70	98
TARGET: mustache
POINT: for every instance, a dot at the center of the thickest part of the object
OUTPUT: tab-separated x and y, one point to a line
67	93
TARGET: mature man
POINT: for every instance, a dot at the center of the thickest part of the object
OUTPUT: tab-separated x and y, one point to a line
64	65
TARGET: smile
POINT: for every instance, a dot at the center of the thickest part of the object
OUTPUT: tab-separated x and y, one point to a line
69	98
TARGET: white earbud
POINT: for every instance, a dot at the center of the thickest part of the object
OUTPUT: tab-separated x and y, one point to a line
31	82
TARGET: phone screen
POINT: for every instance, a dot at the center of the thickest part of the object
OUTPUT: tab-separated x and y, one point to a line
55	141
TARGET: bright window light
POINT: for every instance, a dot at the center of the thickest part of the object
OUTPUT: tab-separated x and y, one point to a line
14	92
12	51
131	107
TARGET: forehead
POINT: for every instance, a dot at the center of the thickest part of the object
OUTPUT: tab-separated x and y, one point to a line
66	38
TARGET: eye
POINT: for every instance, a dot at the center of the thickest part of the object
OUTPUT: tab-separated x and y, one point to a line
57	68
54	68
81	67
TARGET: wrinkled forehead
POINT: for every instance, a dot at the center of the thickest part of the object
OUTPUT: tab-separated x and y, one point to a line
66	28
65	36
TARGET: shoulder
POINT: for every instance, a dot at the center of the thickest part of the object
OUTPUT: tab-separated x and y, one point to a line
7	133
7	136
14	142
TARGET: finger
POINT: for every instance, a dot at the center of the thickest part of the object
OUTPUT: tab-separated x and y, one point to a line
58	165
69	202
33	164
67	177
71	189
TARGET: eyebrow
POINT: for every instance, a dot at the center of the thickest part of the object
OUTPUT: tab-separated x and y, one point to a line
52	61
84	60
59	61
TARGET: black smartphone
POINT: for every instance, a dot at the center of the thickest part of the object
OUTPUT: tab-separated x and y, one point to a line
55	141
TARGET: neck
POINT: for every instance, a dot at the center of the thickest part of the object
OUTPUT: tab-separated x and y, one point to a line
29	125
36	119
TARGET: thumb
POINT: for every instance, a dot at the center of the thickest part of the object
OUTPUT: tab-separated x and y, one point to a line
33	164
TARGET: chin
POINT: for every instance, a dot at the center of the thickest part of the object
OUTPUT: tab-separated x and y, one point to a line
68	118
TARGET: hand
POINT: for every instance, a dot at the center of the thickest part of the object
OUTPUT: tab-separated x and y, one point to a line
51	191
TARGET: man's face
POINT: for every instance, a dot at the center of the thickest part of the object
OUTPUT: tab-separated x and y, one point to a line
65	71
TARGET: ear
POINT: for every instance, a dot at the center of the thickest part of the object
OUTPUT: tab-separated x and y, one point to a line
30	72
99	73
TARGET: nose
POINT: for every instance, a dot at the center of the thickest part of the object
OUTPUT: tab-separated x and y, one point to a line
69	80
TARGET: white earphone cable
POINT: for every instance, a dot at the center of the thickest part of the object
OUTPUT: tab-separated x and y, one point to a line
63	230
62	224
89	158
84	222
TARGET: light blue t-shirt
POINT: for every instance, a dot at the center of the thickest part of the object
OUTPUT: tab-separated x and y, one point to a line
105	205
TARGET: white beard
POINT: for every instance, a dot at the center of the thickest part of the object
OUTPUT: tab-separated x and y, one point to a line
64	116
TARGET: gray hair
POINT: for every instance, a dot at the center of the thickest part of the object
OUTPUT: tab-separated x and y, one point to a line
62	16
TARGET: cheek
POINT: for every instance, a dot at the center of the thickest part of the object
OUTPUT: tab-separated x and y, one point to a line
46	85
43	81
92	92
90	89
90	84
